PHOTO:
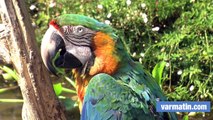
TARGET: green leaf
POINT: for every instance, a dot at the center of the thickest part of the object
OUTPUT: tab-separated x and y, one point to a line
7	76
58	70
57	88
158	71
68	90
2	90
10	73
11	100
70	81
186	117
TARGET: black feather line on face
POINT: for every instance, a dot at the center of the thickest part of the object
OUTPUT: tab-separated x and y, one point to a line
78	41
78	37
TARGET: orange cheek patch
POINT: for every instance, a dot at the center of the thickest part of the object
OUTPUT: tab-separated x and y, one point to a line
106	61
97	66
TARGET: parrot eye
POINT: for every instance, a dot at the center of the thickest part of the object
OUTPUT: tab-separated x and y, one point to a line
80	29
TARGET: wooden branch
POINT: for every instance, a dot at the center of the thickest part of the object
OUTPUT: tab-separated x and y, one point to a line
40	102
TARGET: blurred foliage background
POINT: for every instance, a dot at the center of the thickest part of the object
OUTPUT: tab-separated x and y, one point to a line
172	39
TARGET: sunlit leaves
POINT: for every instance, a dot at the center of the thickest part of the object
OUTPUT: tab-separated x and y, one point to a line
157	72
9	73
57	88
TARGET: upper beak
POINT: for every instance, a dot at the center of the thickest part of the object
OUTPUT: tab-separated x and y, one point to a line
51	43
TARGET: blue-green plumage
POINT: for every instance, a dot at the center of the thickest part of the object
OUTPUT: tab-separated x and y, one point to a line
130	94
110	99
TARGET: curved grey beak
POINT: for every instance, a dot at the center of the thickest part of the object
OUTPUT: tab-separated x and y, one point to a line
50	45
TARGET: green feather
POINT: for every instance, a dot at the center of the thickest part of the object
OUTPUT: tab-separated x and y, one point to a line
107	97
76	19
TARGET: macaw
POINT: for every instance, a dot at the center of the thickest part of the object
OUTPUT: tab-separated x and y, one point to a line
109	84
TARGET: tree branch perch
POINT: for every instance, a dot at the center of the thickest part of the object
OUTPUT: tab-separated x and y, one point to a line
40	102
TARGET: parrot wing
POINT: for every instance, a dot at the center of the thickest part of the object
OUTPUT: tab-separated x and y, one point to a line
110	99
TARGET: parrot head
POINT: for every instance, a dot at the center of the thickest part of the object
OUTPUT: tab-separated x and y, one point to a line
81	43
